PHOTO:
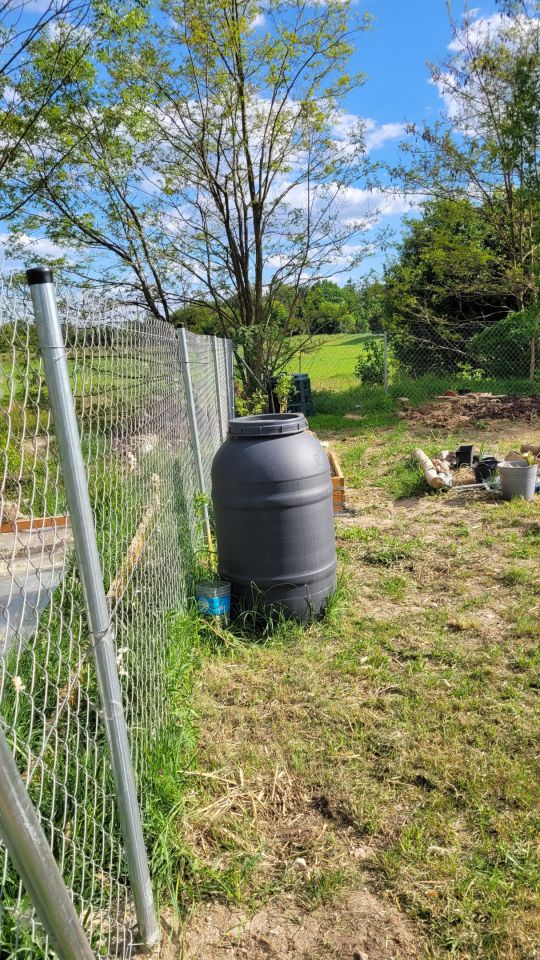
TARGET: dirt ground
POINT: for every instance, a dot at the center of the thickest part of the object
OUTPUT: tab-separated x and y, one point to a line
377	771
358	926
456	412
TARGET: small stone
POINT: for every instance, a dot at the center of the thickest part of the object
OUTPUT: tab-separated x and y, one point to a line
300	863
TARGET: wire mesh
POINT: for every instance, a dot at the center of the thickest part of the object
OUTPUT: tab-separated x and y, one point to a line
424	362
205	391
130	399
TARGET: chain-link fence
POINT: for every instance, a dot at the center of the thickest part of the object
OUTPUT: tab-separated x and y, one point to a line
332	360
132	388
498	358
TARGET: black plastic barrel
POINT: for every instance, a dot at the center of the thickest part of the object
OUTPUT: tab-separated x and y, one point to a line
272	498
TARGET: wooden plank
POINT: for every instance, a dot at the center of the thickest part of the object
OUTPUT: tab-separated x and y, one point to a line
338	482
335	465
35	523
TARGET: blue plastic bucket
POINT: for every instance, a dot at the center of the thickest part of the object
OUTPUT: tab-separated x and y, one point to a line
213	599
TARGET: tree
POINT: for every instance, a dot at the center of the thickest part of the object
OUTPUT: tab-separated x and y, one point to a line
199	319
372	310
503	348
449	280
22	24
485	150
329	308
208	162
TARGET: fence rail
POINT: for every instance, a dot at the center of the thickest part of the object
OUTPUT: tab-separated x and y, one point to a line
130	377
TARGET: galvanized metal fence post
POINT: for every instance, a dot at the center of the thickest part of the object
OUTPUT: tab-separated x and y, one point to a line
33	858
385	335
194	429
215	346
55	366
229	363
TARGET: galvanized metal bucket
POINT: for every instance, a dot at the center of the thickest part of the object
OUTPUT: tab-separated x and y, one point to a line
518	480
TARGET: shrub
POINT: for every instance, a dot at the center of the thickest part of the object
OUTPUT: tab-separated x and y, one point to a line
370	364
503	349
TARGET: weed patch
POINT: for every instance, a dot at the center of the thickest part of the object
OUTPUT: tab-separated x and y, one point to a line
391	550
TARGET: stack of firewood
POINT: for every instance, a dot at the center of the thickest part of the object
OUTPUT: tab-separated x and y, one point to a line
437	471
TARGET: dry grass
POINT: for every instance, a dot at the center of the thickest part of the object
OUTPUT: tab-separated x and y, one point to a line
390	753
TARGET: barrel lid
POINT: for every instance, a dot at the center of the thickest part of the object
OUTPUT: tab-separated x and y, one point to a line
267	425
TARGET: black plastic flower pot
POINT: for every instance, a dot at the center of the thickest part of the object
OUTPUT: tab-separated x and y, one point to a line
485	469
465	455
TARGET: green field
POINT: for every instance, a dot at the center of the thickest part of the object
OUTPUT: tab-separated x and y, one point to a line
329	360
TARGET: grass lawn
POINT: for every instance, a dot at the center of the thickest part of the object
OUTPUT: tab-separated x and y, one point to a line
370	786
330	360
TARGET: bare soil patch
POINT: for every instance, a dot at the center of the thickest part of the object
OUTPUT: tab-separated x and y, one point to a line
357	926
462	411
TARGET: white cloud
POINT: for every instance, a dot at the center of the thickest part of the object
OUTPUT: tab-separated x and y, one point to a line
11	96
346	254
444	89
64	28
24	246
358	205
45	6
345	125
478	30
259	20
377	135
475	33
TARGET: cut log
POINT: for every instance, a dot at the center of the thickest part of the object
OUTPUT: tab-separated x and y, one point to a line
437	479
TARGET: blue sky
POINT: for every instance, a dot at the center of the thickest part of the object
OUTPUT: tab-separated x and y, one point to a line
393	54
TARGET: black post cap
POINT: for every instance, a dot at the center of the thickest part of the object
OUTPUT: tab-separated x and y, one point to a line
39	275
